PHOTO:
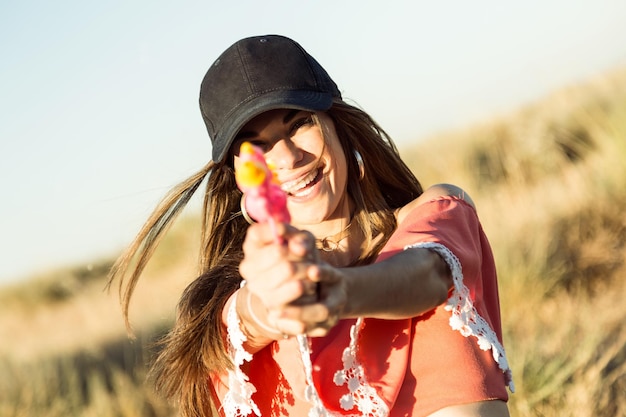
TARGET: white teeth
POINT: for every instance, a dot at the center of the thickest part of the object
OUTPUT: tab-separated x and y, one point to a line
292	187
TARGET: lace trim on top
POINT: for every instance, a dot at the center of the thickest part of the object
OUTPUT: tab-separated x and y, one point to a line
238	400
465	318
310	392
361	393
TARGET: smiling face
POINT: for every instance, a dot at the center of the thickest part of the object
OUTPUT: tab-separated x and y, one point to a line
309	162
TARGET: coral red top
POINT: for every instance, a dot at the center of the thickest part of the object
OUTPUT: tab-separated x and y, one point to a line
412	367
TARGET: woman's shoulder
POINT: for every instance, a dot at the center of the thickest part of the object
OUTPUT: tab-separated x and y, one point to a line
431	193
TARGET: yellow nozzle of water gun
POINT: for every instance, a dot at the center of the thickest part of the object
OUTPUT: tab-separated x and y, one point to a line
246	147
250	174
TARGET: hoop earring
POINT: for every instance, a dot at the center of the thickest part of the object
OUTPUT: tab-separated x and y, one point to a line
359	162
244	212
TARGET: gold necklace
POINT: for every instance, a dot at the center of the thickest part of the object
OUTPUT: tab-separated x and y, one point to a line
330	243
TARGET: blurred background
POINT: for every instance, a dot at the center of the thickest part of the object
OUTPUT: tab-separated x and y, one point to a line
523	105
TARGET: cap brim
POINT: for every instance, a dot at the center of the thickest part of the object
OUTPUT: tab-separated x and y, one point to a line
293	99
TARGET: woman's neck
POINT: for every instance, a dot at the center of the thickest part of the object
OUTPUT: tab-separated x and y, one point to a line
339	239
332	242
346	249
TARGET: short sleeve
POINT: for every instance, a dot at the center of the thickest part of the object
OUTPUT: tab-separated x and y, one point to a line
450	227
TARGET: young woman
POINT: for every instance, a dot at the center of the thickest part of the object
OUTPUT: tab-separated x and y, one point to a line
379	299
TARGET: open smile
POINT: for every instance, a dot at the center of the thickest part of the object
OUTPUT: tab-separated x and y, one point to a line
303	186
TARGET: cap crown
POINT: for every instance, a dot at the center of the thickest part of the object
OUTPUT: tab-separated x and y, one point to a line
255	75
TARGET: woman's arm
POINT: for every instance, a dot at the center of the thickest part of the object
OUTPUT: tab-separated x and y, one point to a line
405	285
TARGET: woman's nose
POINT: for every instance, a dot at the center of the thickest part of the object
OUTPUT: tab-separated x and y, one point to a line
285	154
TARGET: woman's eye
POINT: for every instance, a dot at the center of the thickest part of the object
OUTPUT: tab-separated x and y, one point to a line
302	122
258	143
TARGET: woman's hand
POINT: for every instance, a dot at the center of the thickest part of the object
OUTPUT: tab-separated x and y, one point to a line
298	293
318	317
277	275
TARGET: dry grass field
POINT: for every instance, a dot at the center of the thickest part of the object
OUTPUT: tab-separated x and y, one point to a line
549	182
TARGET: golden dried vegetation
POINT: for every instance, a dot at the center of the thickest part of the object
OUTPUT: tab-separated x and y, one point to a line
549	184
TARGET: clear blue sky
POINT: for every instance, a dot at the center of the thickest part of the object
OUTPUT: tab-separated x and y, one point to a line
98	99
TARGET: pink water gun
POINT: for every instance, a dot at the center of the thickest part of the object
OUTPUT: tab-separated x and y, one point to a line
263	200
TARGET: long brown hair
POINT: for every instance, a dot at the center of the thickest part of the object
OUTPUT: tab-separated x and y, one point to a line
195	346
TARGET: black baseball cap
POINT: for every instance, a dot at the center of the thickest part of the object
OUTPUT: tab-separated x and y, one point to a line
255	75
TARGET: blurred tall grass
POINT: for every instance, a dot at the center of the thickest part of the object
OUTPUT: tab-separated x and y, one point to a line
549	184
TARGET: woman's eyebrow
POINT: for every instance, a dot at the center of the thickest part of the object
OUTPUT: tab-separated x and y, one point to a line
244	135
290	115
250	134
